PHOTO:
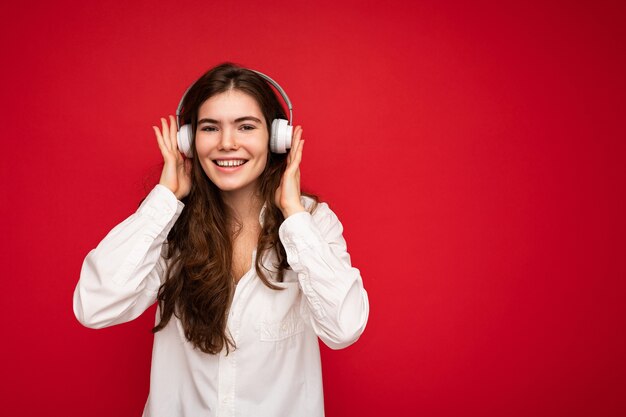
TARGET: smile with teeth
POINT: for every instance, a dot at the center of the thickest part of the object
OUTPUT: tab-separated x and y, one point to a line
230	162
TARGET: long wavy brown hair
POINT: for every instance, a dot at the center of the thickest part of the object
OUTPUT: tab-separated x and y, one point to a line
199	284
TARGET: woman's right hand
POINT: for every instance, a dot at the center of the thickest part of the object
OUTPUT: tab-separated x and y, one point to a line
176	173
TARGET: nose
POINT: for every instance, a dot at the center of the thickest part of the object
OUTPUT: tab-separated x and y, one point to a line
228	140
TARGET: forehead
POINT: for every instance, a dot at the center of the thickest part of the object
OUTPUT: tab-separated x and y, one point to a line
231	104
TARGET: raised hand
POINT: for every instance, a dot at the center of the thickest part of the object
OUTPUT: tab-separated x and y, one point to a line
288	193
176	170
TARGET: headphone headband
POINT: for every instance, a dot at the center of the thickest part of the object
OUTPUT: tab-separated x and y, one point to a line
265	77
280	90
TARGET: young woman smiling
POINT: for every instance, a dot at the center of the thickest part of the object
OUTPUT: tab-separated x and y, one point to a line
248	273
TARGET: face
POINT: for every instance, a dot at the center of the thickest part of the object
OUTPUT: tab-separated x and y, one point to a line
232	141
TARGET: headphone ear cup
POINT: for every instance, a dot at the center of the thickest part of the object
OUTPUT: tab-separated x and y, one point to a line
280	140
184	138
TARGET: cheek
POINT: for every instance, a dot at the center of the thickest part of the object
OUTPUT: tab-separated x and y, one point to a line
261	162
260	148
202	149
207	168
263	156
202	146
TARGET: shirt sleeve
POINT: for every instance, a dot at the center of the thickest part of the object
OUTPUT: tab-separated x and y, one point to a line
121	277
333	289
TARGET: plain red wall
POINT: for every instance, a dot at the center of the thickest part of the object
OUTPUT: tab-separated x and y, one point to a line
474	152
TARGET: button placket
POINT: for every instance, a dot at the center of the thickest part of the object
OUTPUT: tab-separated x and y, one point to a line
226	388
228	363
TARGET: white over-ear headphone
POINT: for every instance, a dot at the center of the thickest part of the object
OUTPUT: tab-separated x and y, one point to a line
280	134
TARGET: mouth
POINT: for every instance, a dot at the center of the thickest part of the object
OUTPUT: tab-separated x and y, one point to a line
229	163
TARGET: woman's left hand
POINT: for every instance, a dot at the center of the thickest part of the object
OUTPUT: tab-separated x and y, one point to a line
288	193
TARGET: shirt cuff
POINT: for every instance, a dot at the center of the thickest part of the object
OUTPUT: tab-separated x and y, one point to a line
298	233
161	204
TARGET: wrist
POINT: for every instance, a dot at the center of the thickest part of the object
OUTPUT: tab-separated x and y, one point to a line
176	193
288	211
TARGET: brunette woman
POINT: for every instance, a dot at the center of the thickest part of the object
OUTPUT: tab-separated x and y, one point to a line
248	273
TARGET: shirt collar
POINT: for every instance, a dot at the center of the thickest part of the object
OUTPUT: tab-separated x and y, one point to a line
262	215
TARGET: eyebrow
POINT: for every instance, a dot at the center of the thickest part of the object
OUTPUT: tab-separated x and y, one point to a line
238	120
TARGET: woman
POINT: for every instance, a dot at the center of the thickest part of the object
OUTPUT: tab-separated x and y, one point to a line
247	272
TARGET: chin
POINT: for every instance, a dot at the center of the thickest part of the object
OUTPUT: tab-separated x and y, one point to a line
231	186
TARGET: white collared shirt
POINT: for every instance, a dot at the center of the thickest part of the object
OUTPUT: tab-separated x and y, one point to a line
275	369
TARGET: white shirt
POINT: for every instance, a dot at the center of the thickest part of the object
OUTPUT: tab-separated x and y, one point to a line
275	369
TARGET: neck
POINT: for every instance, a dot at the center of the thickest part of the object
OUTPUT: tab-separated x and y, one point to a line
245	203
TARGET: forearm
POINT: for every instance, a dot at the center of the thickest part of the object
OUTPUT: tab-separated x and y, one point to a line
332	287
120	278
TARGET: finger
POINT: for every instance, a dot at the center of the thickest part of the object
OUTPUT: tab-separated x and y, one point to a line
298	157
159	137
173	135
297	134
294	168
295	139
166	139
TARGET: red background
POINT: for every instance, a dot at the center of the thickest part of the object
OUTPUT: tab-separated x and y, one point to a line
474	152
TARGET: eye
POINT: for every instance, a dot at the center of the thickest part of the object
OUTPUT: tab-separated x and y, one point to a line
247	127
209	128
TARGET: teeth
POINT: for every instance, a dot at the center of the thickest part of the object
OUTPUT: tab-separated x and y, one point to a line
230	163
